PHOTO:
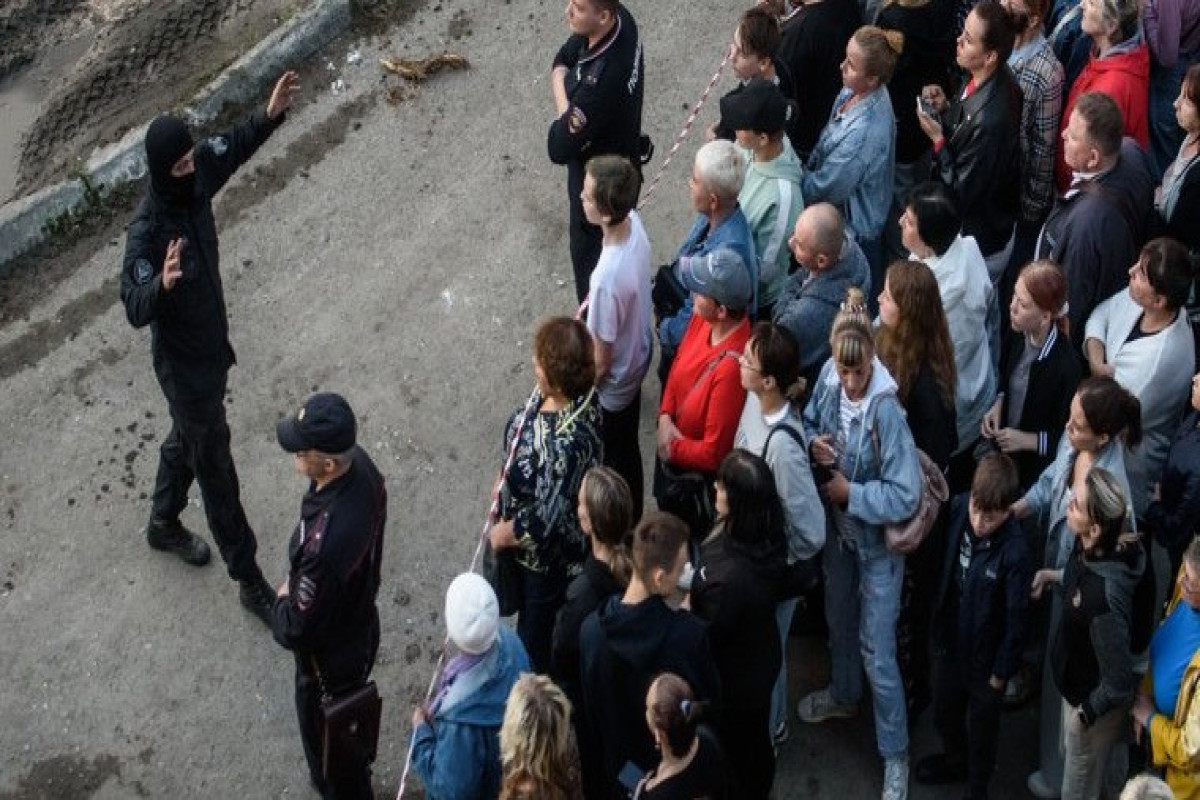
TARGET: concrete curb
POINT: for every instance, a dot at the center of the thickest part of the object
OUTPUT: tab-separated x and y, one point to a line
23	221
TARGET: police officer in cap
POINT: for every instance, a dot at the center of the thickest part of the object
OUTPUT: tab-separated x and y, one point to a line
325	612
597	84
171	281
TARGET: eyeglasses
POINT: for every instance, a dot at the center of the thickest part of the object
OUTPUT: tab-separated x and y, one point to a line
745	362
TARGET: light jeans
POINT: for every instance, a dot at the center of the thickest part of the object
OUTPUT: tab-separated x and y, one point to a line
862	604
779	696
1087	750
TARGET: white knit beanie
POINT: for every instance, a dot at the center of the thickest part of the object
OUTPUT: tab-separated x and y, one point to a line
472	613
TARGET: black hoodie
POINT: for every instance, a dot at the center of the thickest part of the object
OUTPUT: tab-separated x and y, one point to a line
1091	655
622	649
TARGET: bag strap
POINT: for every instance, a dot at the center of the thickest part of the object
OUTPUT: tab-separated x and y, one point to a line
788	429
712	365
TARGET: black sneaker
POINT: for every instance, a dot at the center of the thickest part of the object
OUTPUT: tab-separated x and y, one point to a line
172	537
937	769
258	598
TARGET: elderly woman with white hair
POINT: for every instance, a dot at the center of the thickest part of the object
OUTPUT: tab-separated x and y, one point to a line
717	177
456	736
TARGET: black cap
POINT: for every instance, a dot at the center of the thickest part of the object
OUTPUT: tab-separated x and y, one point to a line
758	106
325	423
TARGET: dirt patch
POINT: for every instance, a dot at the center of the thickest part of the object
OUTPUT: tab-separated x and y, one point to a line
27	26
67	777
266	179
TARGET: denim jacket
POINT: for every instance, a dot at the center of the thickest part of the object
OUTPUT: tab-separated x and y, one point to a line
1047	498
851	167
880	458
733	232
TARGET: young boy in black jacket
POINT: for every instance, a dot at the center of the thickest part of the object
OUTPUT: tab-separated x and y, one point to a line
979	626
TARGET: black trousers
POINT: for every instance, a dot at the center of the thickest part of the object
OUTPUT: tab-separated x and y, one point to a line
542	595
342	671
915	625
586	238
197	448
745	735
967	716
622	451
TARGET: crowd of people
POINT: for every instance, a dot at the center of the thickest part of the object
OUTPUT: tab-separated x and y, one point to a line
929	236
937	244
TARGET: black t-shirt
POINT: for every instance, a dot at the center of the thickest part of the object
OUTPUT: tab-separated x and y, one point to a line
706	778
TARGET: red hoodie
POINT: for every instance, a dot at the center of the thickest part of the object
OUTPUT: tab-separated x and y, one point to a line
1125	77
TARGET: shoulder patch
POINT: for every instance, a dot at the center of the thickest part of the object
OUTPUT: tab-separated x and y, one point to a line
143	271
219	145
576	119
594	71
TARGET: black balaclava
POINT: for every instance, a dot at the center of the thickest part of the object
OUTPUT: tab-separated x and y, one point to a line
167	141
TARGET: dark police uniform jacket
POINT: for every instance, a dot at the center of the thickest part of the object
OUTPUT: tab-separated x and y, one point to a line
188	324
336	551
604	86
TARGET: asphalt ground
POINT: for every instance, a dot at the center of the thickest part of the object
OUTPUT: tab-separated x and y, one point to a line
395	244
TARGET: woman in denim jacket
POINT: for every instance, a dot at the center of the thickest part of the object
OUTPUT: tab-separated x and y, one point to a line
871	478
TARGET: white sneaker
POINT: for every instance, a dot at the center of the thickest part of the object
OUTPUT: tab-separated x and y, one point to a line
895	779
820	706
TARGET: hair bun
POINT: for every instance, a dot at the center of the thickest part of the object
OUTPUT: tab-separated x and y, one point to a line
855	302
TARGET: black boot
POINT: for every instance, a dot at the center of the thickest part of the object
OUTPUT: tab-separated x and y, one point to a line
170	536
258	598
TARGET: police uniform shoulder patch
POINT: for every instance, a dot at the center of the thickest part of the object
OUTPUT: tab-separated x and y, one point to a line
592	76
143	271
576	119
219	145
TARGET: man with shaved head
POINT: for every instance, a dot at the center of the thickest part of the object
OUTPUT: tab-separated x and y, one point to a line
831	262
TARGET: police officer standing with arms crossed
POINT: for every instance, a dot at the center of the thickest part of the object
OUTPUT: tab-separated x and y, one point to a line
325	612
596	82
171	281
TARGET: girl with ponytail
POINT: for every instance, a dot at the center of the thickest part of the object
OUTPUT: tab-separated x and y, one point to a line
862	442
692	762
1038	372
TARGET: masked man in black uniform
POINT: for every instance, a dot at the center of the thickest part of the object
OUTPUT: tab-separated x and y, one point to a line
325	612
597	84
171	281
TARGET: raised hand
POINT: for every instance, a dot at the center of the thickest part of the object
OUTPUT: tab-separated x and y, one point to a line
284	93
172	268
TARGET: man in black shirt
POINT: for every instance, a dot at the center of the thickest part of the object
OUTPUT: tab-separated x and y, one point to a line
325	612
171	281
597	82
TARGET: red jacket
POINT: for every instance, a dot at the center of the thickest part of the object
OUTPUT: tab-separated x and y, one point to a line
1125	77
705	404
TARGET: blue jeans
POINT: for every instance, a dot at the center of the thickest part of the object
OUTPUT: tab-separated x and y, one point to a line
862	604
779	696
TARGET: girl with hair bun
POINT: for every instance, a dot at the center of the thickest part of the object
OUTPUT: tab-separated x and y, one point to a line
692	763
851	165
771	427
1038	372
861	441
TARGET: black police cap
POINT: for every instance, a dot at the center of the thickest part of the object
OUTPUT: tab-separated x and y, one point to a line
325	423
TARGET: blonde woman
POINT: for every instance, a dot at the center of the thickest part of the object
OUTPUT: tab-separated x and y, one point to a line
872	477
537	744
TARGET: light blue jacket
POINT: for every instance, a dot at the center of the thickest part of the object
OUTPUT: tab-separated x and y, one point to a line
880	458
457	757
852	164
734	233
1047	498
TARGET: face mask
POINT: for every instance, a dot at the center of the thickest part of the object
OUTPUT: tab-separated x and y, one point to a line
167	141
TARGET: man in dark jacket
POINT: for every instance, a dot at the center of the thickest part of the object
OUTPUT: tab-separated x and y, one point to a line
171	281
977	139
979	626
597	82
325	611
1095	229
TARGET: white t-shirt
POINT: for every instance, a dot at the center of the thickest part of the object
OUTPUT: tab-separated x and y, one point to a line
619	314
